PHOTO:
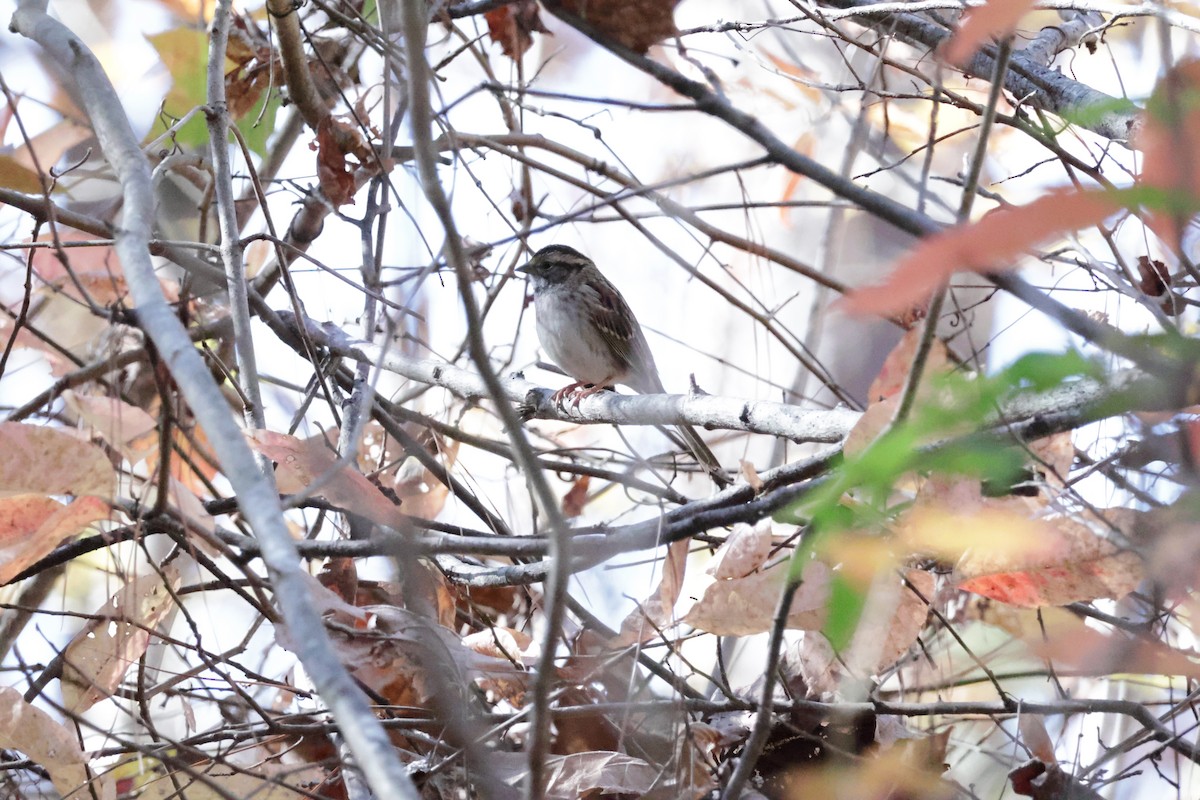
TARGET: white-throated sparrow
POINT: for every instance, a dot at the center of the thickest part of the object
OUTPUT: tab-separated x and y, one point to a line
587	329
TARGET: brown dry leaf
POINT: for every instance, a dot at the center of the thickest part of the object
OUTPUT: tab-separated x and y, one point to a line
96	660
1153	277
398	473
883	395
881	641
1071	564
576	498
41	460
804	145
656	612
898	364
32	525
255	67
751	475
254	773
1070	643
992	533
1171	148
185	503
893	618
890	776
100	259
745	550
995	18
873	422
340	576
1035	736
744	606
401	649
1057	454
333	173
992	243
592	773
129	430
636	24
512	27
17	177
429	589
302	462
192	460
580	774
58	363
50	144
508	644
50	745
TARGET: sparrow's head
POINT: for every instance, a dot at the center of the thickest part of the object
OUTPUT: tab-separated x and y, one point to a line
555	265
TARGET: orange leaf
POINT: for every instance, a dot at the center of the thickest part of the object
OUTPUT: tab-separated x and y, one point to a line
745	550
894	372
655	613
995	18
96	660
50	744
990	244
1074	565
1069	642
303	462
40	460
128	429
1170	141
576	498
31	525
742	606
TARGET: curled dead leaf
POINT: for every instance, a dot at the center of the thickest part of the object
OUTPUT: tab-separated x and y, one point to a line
512	26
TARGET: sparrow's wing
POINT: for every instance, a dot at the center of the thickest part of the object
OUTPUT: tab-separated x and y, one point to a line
621	331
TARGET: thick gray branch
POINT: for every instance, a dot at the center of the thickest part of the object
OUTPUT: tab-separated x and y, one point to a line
1027	80
709	411
255	490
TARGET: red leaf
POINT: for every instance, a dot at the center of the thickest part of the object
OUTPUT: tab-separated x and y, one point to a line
994	18
576	498
512	27
307	462
335	177
990	244
1153	277
1168	138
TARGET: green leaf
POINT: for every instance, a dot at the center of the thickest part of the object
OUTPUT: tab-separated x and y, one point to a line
1092	114
184	52
16	177
1043	371
256	131
846	603
979	457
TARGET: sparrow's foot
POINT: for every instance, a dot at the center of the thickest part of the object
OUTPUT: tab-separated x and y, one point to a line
562	394
589	390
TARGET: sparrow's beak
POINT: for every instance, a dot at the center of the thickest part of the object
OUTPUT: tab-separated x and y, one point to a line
526	268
